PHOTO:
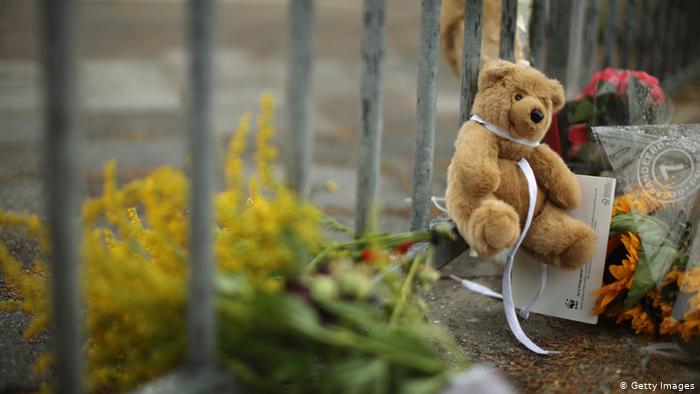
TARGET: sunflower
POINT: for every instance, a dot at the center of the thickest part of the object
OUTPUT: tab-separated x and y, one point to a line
690	283
640	320
623	273
638	201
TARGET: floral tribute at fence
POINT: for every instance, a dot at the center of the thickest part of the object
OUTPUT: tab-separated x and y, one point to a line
644	282
612	97
652	275
291	304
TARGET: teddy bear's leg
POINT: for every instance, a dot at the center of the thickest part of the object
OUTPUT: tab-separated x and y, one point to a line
488	225
558	239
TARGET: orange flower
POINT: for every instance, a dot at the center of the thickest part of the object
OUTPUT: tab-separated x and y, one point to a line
640	320
623	273
670	326
690	326
637	201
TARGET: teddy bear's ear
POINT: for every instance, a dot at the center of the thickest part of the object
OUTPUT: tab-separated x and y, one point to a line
557	95
494	72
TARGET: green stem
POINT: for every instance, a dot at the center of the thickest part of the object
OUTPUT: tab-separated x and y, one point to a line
405	289
349	339
384	240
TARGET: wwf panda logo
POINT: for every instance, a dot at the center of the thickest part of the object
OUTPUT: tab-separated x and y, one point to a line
571	304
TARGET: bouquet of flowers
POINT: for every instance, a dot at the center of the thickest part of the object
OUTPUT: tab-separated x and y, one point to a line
296	312
652	277
612	97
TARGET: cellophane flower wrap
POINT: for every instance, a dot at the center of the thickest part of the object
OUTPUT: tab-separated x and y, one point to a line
613	97
652	277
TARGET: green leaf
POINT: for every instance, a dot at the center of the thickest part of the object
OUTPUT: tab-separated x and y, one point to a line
652	266
423	386
361	375
584	111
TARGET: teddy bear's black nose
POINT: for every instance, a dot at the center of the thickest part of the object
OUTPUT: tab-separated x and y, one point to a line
536	115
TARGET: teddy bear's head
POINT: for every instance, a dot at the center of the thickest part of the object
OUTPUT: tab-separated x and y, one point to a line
518	99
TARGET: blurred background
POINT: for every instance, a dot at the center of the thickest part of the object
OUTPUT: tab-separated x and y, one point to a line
132	84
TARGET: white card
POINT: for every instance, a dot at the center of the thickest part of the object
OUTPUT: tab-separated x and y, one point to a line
568	293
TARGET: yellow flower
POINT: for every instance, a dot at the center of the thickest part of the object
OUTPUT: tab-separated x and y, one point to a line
623	274
638	200
135	258
640	320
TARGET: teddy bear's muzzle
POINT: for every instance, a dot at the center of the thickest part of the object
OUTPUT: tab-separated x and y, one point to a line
536	115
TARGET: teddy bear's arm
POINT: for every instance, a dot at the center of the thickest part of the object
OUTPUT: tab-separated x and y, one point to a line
475	163
555	178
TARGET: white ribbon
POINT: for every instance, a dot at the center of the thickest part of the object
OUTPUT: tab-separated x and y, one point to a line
508	305
502	133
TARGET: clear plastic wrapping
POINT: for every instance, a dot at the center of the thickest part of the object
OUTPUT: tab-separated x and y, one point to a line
652	277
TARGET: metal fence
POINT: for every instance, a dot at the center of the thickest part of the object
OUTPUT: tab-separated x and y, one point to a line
566	41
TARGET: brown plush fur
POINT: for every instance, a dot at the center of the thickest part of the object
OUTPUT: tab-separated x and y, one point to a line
452	32
487	194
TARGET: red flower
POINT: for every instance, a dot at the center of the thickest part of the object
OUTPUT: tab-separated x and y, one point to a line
368	256
403	247
578	133
620	79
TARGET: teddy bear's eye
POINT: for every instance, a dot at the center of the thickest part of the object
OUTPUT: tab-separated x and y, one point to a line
518	97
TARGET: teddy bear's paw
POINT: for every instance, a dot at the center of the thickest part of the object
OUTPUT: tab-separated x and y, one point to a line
580	250
493	226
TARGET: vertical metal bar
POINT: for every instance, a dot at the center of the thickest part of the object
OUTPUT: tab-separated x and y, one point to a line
590	39
656	66
690	37
682	9
61	182
573	56
299	89
610	34
686	39
628	33
669	38
538	21
644	23
509	11
563	41
371	95
201	318
425	113
471	56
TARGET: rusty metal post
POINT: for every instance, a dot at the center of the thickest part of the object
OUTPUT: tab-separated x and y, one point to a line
471	56
371	95
425	113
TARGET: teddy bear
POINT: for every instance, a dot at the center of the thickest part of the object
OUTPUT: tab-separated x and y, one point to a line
487	193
